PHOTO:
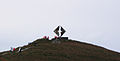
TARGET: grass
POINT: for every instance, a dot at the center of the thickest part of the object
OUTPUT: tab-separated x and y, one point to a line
67	50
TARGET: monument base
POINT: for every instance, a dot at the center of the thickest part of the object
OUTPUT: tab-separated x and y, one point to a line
60	38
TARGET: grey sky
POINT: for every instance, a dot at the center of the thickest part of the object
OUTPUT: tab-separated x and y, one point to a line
92	21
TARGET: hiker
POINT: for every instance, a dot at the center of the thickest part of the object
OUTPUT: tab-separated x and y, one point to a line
20	49
45	37
13	49
56	37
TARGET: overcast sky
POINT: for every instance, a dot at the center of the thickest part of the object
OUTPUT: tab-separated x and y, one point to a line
91	21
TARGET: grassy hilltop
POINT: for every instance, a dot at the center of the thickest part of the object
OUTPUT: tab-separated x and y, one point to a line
67	50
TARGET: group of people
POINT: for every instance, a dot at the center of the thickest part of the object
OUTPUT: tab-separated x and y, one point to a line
20	48
14	49
47	37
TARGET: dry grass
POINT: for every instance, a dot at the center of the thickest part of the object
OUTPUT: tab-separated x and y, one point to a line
45	50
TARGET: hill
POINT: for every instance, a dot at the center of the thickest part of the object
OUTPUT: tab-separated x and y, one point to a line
66	50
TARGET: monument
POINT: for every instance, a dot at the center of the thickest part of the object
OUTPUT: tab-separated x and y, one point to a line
59	31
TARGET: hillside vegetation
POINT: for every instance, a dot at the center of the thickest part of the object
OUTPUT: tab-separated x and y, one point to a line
66	50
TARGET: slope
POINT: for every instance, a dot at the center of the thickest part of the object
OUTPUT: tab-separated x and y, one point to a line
67	50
